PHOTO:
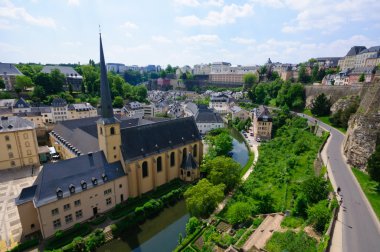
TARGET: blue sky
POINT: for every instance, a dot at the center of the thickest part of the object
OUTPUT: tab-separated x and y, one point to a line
184	32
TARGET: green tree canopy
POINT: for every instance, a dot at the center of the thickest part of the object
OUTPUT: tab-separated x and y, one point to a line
315	189
249	80
118	102
224	170
373	165
362	78
303	76
2	84
319	215
202	199
239	212
192	224
321	105
22	82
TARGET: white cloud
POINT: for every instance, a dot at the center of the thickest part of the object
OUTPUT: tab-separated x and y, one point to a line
190	3
243	41
161	39
7	48
227	15
129	26
196	3
296	51
326	15
73	2
72	43
201	38
9	11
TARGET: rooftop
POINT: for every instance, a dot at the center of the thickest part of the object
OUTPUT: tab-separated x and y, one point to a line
157	137
9	69
14	123
70	172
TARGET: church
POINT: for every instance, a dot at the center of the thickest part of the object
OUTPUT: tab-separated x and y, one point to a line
106	161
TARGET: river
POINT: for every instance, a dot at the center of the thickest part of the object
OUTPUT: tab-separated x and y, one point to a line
162	232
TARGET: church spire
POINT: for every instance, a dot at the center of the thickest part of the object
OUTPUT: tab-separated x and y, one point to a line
106	109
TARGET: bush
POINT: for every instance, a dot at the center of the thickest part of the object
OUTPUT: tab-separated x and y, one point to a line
63	238
95	240
239	212
319	215
98	220
25	245
192	225
291	241
300	205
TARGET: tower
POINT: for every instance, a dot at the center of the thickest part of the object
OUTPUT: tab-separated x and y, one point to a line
108	126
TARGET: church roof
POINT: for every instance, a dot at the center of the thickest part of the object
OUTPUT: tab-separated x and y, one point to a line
144	140
83	134
106	113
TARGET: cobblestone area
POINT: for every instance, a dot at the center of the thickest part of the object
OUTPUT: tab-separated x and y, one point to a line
11	184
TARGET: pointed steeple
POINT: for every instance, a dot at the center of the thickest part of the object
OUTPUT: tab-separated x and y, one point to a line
106	109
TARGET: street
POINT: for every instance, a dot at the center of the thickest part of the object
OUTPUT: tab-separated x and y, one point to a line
360	227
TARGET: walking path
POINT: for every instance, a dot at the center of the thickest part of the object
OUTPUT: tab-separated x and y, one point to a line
264	232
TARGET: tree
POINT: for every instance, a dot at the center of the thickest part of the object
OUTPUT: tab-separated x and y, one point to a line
192	225
265	202
373	166
319	215
2	84
249	80
22	82
58	79
38	94
221	143
118	102
239	212
79	244
362	78
315	189
222	170
321	105
314	73
260	93
202	198
163	74
139	93
302	74
300	205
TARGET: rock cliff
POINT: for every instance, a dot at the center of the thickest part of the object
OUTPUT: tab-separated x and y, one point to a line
363	128
344	103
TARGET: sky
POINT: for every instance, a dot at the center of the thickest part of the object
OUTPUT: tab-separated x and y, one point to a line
184	32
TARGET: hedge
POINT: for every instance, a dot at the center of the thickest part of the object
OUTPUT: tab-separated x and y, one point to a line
98	220
67	236
122	210
25	245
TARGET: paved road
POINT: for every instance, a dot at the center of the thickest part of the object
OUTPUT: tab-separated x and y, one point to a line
360	227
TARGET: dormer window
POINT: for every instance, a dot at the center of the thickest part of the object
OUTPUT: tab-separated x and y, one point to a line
83	185
59	193
72	188
104	177
94	181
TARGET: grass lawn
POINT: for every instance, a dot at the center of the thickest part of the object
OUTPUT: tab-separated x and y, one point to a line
324	119
370	189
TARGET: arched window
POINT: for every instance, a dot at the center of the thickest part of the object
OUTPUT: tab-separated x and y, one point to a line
159	164
112	131
184	153
172	159
145	169
101	131
195	150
